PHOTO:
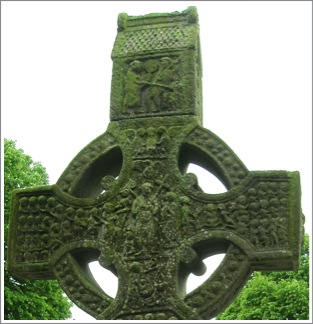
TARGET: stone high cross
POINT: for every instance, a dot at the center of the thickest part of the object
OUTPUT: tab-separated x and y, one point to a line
127	200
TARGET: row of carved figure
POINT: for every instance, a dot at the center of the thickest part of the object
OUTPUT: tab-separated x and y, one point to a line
153	217
151	142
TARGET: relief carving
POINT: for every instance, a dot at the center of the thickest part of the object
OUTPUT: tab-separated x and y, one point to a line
152	86
126	200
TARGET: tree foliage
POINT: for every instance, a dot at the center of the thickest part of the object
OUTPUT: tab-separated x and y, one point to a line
27	299
274	295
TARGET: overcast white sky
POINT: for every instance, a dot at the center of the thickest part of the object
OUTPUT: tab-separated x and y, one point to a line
257	79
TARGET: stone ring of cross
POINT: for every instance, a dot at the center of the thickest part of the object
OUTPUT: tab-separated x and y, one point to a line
128	200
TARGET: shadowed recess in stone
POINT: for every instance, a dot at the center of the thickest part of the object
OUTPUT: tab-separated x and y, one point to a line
130	201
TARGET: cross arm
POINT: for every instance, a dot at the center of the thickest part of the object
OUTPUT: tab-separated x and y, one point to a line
45	222
262	216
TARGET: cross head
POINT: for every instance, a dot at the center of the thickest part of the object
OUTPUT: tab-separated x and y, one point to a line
128	200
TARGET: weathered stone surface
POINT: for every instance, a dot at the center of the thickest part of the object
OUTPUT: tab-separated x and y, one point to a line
127	200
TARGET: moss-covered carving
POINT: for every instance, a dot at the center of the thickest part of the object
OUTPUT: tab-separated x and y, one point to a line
127	201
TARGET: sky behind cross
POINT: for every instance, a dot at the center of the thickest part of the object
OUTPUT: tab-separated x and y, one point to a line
257	80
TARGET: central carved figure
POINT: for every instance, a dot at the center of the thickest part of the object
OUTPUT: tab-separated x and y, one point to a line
127	200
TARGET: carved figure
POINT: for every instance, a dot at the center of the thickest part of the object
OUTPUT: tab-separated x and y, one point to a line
144	209
132	99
